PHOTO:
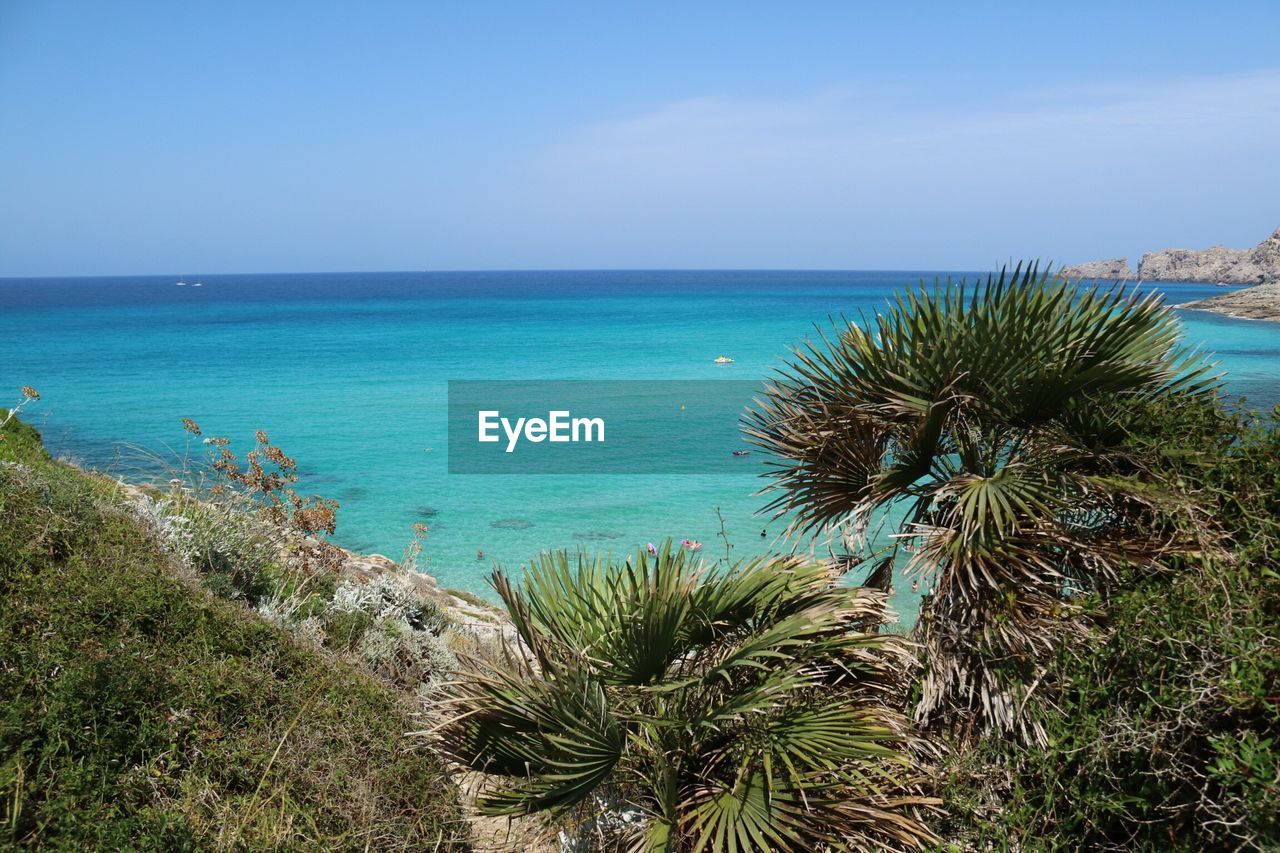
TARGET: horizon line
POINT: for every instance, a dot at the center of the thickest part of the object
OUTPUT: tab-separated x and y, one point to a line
456	271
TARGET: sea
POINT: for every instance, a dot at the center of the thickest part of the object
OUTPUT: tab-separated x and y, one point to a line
348	373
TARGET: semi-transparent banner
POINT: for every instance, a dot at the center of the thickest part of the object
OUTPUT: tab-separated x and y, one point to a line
620	426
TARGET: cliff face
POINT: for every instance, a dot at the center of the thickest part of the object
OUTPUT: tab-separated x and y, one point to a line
1235	266
1116	268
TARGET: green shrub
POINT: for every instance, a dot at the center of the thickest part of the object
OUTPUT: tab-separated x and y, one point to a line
392	630
19	441
230	550
1168	718
970	423
343	629
409	658
234	553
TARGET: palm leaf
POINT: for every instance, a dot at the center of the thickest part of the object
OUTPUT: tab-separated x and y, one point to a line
972	417
717	702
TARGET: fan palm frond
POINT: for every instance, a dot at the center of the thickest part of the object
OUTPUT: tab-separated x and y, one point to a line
979	419
735	708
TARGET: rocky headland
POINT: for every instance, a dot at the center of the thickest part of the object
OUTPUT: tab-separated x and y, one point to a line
1258	266
1116	268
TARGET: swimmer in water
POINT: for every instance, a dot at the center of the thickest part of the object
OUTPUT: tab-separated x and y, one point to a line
479	553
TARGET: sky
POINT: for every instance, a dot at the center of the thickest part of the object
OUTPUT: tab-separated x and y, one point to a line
181	138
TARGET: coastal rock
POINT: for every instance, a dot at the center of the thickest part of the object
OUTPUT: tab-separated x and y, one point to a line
1116	268
1217	264
1254	303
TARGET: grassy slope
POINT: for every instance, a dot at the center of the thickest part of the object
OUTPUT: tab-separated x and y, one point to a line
141	711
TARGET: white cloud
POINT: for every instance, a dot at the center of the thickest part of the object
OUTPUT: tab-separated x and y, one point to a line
878	176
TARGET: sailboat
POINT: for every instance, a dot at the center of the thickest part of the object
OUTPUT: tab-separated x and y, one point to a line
198	284
182	281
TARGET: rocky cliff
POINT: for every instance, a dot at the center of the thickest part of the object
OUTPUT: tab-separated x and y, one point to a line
1116	268
1259	265
1233	266
1217	264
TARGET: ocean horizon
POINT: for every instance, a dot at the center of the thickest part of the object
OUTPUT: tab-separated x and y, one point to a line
348	373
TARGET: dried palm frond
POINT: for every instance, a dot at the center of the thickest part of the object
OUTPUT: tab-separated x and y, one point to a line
980	422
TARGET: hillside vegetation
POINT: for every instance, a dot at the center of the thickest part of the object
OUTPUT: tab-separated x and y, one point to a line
142	711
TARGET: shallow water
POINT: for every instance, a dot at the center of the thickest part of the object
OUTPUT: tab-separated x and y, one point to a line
348	373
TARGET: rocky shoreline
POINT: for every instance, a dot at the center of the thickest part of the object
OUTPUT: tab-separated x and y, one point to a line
1252	303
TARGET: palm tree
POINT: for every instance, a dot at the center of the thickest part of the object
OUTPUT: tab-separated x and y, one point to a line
979	425
686	707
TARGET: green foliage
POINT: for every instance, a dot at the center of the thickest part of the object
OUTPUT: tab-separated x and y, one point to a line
232	552
250	537
235	554
140	712
391	630
976	423
344	629
19	441
410	658
1167	722
688	708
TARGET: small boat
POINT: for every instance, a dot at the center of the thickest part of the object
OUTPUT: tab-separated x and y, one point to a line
181	282
723	359
198	284
742	453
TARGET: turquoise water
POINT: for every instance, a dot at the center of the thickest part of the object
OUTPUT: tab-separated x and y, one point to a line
347	372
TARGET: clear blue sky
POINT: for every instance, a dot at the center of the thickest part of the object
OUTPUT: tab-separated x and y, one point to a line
273	136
